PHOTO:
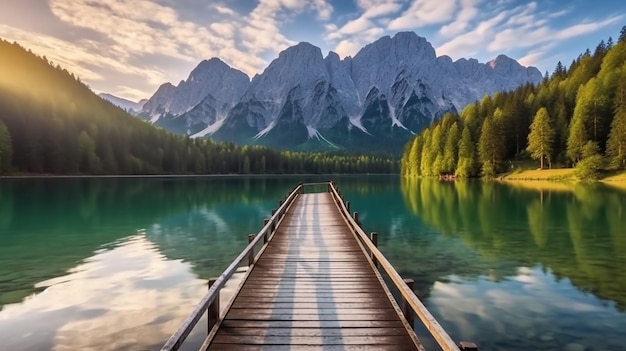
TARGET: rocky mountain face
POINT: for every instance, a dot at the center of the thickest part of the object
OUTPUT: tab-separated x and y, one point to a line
376	100
124	104
206	97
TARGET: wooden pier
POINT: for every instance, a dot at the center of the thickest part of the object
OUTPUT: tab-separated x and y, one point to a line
314	285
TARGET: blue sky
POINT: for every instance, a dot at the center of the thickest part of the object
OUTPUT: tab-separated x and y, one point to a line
130	47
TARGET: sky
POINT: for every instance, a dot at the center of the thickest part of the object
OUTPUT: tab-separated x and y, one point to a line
130	47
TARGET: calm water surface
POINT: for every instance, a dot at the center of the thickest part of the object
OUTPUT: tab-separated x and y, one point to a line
118	263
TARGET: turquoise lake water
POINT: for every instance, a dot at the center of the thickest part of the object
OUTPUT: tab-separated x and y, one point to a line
118	263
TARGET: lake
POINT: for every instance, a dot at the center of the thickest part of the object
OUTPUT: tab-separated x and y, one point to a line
118	263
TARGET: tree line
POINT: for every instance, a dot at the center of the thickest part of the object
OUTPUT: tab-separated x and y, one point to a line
52	123
576	117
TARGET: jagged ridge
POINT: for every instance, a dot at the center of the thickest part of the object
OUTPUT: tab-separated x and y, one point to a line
391	89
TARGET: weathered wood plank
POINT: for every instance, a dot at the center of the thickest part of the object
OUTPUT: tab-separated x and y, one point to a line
326	305
241	347
302	294
239	314
341	324
313	340
275	311
314	331
363	299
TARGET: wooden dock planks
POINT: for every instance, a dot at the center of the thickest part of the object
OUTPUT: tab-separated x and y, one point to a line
313	288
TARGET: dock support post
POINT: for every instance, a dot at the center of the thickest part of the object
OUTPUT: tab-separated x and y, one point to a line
348	206
406	308
251	255
356	218
271	230
213	313
273	212
468	346
374	238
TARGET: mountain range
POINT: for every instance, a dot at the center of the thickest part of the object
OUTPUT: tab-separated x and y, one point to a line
390	90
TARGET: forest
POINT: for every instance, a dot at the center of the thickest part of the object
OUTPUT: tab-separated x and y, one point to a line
575	118
52	123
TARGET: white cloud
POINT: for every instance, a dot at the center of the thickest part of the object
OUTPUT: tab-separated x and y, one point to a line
261	28
424	12
511	30
224	10
135	28
586	28
347	48
356	26
225	30
473	40
382	9
531	59
467	13
367	27
323	8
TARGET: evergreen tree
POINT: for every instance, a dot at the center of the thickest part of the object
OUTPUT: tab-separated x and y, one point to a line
450	151
436	151
6	149
427	154
467	155
414	157
491	146
616	145
406	154
541	137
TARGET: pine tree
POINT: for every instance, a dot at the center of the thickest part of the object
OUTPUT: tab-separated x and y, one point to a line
616	145
427	159
541	137
6	149
467	155
491	146
415	157
450	151
622	35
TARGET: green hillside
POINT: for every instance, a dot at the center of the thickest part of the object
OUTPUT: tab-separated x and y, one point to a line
575	118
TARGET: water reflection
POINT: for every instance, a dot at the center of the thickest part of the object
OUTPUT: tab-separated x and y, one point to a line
127	297
518	268
47	226
118	263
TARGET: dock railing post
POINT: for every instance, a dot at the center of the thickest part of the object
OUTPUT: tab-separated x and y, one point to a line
374	238
213	312
406	308
348	206
356	218
251	255
266	234
468	346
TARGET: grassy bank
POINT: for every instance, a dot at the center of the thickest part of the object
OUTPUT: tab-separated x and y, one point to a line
557	179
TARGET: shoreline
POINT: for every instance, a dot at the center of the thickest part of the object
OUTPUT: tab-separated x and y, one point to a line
558	179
